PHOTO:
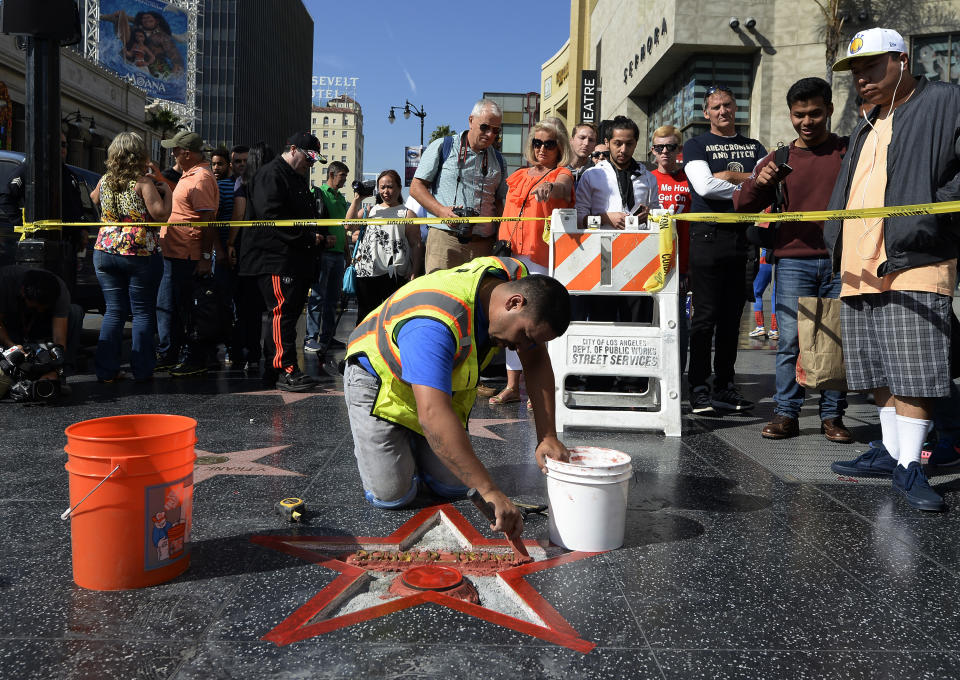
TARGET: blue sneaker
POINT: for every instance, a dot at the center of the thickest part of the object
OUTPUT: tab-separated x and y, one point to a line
912	484
876	462
945	453
313	346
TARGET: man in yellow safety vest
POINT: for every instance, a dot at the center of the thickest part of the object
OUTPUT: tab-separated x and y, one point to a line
411	376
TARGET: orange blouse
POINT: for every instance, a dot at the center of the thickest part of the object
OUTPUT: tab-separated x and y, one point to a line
526	238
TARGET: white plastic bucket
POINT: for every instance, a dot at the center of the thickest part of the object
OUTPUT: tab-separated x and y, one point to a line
588	498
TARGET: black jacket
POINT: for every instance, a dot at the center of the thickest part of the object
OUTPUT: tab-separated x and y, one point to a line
278	192
923	166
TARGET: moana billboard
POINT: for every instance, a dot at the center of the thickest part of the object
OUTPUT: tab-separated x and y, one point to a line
145	43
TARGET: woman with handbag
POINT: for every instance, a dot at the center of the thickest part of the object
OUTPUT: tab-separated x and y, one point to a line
386	256
127	258
535	191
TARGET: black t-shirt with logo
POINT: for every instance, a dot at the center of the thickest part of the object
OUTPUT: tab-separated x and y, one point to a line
736	153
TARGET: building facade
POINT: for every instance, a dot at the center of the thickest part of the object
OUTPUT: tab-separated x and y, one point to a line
101	104
654	60
339	127
521	111
254	71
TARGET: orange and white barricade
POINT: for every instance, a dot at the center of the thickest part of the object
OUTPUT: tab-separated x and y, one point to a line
636	261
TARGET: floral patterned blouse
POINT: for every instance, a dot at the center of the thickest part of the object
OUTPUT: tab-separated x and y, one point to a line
126	206
383	248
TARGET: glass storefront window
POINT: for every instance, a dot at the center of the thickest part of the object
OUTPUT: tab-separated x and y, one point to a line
937	57
679	100
512	139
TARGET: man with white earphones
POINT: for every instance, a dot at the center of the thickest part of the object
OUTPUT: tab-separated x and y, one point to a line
899	273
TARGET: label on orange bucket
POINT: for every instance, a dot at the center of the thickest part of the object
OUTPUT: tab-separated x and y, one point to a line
168	517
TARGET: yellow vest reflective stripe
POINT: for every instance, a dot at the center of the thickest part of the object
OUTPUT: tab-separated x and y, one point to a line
449	296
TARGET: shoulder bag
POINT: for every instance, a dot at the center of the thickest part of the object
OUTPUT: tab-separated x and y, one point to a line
350	274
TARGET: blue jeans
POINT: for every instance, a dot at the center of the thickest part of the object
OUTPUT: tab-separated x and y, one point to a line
173	299
129	284
796	277
324	294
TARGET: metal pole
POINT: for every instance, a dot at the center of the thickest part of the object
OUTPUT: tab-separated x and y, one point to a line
42	198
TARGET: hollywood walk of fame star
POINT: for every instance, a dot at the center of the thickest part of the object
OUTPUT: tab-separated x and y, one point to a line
313	618
294	397
210	464
478	426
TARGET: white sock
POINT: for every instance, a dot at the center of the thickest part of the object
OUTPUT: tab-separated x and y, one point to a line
910	432
888	429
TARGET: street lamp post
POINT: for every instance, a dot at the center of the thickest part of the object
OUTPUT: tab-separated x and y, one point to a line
409	108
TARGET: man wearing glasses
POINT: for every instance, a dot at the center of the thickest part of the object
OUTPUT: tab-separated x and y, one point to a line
465	173
716	162
675	193
282	258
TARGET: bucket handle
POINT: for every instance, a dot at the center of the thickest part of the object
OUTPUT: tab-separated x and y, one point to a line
68	511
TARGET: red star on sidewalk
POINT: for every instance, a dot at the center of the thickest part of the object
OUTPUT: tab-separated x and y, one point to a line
313	618
478	427
211	464
293	397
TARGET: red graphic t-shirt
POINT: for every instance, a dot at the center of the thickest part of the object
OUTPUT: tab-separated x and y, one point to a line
675	192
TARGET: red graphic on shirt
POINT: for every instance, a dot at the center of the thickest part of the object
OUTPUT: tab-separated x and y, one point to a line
674	190
331	552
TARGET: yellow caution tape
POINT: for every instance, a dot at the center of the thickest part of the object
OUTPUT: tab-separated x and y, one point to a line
666	247
821	215
55	225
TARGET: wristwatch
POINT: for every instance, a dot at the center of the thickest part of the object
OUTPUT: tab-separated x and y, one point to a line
206	256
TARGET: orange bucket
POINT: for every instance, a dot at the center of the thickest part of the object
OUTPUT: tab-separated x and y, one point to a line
134	530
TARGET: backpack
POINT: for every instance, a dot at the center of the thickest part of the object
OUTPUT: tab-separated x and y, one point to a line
445	153
767	237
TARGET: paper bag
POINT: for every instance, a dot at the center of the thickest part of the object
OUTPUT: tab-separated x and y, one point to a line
820	364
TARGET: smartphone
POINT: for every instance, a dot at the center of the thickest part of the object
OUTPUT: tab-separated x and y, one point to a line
783	170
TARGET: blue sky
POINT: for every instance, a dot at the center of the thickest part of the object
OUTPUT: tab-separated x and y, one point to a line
440	55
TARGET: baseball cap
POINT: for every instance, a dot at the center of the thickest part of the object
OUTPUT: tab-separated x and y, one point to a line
185	139
307	143
869	43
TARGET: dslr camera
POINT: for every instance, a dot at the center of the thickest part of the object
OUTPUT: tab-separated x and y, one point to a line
25	366
364	189
463	230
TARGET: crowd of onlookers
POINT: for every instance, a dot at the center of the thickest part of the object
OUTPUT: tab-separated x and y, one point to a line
190	288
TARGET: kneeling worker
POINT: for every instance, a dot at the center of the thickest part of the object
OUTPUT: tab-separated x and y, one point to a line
412	370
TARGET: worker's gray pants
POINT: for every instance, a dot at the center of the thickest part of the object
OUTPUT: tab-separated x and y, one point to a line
390	457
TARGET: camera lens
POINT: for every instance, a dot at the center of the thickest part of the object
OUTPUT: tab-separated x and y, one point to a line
45	389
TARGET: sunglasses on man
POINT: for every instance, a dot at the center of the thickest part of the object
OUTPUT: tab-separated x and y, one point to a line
484	129
660	148
600	154
548	144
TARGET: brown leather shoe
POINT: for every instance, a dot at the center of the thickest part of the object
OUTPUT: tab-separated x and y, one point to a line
781	427
834	430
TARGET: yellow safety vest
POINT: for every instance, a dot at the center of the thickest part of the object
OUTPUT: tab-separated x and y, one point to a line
449	296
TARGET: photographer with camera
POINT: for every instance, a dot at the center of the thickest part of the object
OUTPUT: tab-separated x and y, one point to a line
387	255
463	176
35	309
325	291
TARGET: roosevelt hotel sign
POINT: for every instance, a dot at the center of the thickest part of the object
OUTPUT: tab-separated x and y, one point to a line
325	88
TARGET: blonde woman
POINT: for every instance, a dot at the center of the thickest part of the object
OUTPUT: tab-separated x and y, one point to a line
535	191
127	258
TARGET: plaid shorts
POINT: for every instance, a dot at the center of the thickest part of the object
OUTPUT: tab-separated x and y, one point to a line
897	339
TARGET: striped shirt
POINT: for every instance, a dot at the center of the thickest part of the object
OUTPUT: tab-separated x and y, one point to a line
225	211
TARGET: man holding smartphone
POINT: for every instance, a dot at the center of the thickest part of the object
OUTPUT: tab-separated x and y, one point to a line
802	263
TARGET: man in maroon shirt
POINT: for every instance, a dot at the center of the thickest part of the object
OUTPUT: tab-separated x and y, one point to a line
802	264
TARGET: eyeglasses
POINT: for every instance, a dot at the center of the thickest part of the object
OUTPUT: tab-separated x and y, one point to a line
600	154
312	156
549	144
660	148
484	129
719	88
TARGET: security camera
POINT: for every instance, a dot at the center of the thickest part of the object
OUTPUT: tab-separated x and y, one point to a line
734	23
750	23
